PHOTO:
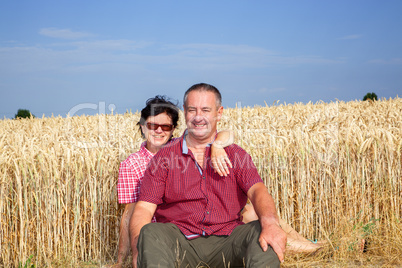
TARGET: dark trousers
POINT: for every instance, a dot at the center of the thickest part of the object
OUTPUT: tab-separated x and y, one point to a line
163	245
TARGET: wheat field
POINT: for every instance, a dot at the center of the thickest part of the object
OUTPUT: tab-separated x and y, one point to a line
334	170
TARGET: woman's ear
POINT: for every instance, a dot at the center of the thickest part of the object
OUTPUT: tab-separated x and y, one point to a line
142	129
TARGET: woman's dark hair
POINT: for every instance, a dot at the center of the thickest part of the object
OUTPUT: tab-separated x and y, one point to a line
159	105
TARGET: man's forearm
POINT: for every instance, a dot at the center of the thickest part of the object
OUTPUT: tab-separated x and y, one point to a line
271	232
264	205
141	216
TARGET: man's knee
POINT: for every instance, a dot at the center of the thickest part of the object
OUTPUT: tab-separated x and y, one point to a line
147	229
255	228
152	232
156	245
256	256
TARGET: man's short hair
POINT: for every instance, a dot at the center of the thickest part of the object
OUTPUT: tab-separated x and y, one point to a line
204	87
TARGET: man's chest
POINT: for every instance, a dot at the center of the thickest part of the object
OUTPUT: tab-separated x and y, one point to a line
187	180
199	155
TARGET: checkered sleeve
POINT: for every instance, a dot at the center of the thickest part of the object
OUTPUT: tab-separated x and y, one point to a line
129	182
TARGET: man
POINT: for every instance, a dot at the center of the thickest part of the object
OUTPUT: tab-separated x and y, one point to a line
198	216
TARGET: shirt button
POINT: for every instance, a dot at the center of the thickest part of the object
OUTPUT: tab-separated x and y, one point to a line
203	228
207	212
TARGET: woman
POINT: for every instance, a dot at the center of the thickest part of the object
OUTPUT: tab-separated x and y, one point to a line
158	121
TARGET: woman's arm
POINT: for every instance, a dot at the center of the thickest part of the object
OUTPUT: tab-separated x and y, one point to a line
224	139
124	239
219	158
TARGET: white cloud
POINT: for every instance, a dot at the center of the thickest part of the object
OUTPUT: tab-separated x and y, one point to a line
227	57
390	61
268	90
219	48
122	56
63	33
350	37
111	45
278	89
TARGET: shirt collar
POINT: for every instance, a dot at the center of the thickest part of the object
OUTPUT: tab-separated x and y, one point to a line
145	151
185	147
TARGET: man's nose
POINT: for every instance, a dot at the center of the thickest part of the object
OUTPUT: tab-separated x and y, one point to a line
199	113
198	118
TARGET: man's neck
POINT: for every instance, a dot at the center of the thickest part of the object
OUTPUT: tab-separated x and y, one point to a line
198	144
197	147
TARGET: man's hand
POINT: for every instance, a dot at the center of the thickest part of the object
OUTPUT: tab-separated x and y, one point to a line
273	235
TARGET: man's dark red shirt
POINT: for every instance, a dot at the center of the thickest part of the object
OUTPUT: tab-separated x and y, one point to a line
196	199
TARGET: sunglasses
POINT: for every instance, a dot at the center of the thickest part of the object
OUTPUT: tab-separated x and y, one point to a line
152	126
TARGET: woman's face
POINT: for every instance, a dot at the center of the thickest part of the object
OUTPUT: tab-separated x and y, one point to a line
157	131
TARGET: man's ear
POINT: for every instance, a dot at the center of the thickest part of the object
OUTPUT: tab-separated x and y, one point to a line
220	112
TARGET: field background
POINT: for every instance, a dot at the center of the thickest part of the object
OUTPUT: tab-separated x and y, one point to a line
334	169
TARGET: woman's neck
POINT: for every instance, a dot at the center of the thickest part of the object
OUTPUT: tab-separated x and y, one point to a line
152	149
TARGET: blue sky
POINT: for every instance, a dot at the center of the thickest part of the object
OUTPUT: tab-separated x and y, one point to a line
80	57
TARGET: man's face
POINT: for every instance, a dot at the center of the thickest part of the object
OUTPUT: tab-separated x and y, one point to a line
202	114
